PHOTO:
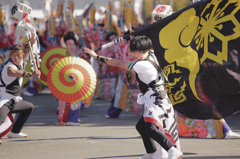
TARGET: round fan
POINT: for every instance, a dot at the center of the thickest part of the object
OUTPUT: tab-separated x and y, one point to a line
71	79
48	57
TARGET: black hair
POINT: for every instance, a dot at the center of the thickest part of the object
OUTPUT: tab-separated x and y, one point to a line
69	35
110	34
140	43
16	47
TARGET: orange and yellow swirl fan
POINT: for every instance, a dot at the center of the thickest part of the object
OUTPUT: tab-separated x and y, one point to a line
71	79
49	56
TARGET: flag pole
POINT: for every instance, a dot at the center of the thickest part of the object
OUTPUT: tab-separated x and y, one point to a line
123	38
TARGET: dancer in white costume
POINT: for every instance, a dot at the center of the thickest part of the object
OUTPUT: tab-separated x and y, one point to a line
10	86
158	122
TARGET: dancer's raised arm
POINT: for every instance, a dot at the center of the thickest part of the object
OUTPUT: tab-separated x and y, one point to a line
107	60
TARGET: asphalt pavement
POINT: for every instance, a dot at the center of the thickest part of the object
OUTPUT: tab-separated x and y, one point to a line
100	138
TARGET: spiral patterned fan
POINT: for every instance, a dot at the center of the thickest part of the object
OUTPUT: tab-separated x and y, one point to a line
71	79
48	57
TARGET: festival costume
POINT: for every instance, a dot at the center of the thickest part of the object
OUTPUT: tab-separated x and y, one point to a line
127	89
83	41
11	102
158	109
4	43
9	86
202	128
126	95
94	37
108	75
48	41
68	113
113	111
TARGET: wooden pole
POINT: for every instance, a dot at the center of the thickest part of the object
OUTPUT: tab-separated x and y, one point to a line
34	62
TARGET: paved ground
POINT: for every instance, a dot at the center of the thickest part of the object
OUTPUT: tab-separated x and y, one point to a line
100	138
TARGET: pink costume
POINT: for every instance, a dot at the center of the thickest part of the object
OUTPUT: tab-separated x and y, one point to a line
4	43
108	75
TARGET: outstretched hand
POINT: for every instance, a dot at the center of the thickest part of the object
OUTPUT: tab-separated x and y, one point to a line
90	52
130	27
36	73
130	30
32	38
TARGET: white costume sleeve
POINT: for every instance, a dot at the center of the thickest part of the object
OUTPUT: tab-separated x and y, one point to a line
7	79
146	71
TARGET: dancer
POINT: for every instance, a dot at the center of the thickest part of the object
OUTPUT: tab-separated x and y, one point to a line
158	122
10	85
68	113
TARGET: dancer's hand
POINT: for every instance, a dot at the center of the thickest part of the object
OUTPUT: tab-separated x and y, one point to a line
36	73
130	27
32	38
130	30
90	52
